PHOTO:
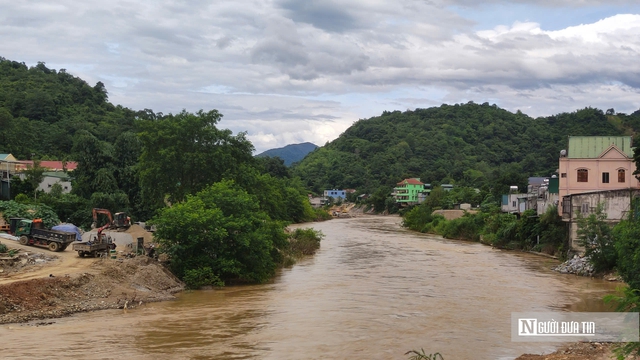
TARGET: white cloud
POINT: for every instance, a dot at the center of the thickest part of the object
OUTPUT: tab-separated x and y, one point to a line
269	65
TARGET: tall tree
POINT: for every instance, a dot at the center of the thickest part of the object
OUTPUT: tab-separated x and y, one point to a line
185	152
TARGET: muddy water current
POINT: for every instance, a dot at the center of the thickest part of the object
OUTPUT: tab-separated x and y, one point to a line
373	291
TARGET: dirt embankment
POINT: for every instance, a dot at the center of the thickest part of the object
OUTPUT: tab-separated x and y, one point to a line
579	351
70	285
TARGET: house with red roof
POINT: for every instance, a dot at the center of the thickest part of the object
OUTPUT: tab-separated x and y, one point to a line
50	165
408	191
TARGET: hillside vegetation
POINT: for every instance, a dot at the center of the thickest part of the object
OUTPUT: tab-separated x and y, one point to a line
220	213
473	145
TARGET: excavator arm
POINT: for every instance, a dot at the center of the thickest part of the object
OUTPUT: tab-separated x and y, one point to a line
97	211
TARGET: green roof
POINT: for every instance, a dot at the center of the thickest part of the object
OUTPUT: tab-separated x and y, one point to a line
591	147
3	156
57	174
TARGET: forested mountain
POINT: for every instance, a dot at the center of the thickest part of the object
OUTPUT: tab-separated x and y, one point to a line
290	153
133	161
41	110
470	144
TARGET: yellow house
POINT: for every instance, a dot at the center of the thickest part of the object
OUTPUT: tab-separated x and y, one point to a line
7	168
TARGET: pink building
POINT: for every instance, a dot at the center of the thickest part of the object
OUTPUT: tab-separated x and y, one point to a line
596	163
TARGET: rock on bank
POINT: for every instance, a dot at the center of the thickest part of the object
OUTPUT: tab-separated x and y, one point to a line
111	284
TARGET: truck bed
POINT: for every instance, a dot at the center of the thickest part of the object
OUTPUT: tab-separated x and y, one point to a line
62	237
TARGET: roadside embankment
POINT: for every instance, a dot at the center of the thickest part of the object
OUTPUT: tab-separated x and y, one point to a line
109	284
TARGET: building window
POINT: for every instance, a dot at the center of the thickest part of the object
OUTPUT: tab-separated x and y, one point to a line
583	175
621	177
605	178
563	175
584	208
514	204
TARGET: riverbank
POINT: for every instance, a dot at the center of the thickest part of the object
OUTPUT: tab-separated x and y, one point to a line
579	351
107	284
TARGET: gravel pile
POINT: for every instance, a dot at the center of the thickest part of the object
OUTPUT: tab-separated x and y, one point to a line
577	265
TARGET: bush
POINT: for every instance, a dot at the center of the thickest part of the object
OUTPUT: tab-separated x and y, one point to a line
467	227
596	237
304	242
627	243
222	228
322	215
204	276
22	199
626	300
435	226
11	209
3	248
417	217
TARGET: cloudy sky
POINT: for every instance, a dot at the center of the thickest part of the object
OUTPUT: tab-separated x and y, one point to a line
289	71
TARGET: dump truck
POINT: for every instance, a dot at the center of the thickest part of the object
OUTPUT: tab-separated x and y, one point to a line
101	243
32	232
96	247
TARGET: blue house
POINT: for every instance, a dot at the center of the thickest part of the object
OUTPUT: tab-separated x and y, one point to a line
335	194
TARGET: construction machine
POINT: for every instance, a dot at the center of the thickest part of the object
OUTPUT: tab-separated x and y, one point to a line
120	222
100	244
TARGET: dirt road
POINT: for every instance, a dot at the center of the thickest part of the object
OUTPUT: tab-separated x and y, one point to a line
68	262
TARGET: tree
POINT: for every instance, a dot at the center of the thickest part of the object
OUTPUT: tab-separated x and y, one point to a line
221	228
596	237
95	165
34	174
627	236
636	156
184	153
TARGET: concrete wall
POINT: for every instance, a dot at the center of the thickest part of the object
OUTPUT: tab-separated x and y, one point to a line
545	203
48	182
512	204
616	204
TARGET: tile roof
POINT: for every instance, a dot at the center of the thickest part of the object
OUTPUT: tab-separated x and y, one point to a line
49	164
412	181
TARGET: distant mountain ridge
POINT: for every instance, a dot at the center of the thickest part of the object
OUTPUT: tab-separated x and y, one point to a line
291	153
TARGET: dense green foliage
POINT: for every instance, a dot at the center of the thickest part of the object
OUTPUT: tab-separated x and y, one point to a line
544	233
291	153
219	211
183	153
10	209
595	234
221	228
41	110
479	146
626	239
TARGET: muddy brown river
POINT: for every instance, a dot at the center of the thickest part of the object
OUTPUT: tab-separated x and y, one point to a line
373	291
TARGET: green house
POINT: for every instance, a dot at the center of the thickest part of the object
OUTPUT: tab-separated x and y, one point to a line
408	191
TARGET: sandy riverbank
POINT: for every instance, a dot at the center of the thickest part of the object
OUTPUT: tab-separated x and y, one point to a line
100	284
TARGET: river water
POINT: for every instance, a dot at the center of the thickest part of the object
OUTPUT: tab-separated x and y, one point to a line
373	291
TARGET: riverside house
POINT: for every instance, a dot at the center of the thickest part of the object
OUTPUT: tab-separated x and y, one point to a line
408	191
596	170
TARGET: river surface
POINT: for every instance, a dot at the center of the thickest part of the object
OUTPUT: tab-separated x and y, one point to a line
373	291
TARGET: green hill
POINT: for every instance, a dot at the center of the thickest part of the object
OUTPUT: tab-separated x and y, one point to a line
470	144
41	110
